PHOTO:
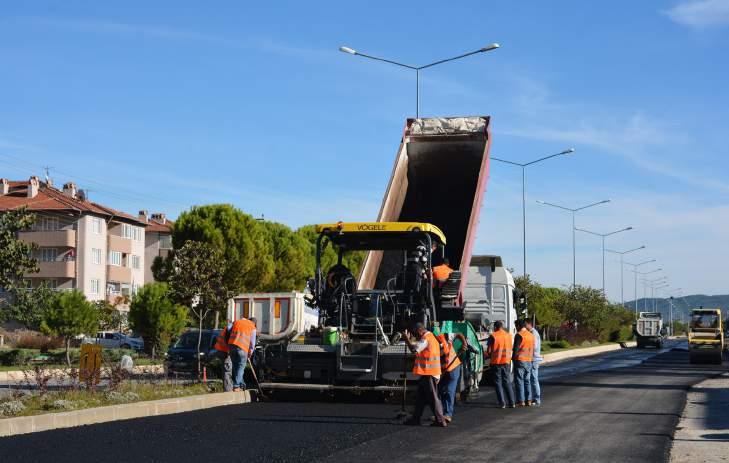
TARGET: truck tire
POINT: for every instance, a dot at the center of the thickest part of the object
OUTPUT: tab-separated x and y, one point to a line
639	344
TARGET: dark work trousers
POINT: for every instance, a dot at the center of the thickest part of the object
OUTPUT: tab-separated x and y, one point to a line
502	382
428	394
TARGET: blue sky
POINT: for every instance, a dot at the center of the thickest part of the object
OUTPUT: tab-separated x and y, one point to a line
164	106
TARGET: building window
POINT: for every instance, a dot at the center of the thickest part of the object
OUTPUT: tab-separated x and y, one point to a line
96	256
96	225
52	284
135	288
136	262
48	254
115	258
131	232
44	223
95	284
165	241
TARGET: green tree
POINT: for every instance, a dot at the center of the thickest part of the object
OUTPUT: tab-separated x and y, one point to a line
156	317
15	255
29	306
543	303
110	317
198	281
162	267
587	307
293	261
240	240
353	260
69	316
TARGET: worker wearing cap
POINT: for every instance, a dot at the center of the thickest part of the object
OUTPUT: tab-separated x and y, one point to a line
221	345
450	367
427	367
500	350
241	343
523	357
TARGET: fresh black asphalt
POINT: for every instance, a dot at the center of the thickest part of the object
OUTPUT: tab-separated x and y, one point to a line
619	415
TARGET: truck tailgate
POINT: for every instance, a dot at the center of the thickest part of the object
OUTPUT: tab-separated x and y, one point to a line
439	177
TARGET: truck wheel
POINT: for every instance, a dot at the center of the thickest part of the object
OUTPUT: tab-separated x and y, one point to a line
125	346
638	345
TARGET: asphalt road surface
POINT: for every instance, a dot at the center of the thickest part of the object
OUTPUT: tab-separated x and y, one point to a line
619	407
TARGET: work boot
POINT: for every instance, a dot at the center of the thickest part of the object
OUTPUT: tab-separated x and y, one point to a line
442	424
520	404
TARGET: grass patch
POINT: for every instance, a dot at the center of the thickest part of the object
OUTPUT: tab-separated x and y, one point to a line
68	400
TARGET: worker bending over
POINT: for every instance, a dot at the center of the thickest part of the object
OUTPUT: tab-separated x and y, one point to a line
450	368
241	344
523	357
427	366
499	350
221	345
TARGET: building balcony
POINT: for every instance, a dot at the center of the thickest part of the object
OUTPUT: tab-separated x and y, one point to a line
55	269
117	273
50	239
117	243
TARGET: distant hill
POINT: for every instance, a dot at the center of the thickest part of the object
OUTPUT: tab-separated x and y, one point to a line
683	305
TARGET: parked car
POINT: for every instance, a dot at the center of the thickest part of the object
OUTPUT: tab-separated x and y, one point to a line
115	340
181	358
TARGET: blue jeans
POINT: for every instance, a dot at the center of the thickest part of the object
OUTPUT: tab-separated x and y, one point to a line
447	388
502	382
522	381
239	359
534	379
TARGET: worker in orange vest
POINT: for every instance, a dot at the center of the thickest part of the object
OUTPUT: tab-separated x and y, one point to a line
221	345
499	349
523	356
450	368
441	273
241	344
427	367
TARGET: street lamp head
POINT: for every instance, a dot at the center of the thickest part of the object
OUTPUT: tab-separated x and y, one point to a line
568	151
540	201
351	51
489	47
628	228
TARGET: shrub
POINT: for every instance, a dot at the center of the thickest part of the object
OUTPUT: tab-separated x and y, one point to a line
35	340
17	357
115	396
11	408
62	405
561	344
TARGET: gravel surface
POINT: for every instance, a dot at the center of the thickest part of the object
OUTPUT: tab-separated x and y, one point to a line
624	414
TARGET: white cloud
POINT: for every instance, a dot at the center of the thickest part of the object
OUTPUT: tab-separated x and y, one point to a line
700	13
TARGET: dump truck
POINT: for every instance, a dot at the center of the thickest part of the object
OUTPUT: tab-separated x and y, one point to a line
429	213
649	330
706	336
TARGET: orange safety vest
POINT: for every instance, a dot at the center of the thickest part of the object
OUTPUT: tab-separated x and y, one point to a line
525	353
240	334
501	350
449	360
220	344
442	272
427	361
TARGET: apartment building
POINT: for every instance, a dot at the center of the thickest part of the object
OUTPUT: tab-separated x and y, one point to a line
157	239
81	244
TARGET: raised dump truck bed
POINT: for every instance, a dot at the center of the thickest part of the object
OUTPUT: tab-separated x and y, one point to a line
439	177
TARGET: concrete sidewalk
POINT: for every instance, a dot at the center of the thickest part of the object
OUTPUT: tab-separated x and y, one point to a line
702	435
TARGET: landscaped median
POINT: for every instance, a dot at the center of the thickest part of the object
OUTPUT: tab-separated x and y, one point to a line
125	411
584	351
20	374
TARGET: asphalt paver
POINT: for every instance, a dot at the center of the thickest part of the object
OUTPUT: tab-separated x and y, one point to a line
618	415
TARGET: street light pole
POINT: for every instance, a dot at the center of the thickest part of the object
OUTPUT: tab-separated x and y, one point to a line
623	253
417	69
574	246
523	192
635	287
603	236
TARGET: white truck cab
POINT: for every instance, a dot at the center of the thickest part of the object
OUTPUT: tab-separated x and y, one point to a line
490	295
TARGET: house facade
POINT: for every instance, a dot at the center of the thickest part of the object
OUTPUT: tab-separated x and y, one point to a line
81	244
